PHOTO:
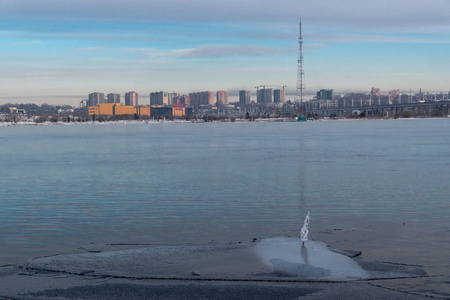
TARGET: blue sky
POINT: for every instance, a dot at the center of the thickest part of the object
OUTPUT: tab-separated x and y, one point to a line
57	51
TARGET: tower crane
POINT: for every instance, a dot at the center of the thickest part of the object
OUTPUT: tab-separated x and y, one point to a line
274	85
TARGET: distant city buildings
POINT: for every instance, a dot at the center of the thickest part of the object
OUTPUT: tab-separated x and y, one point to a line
84	103
159	98
113	98
118	109
325	94
171	98
193	100
201	98
278	96
375	92
131	99
244	98
394	94
94	99
222	98
185	100
196	100
264	96
271	103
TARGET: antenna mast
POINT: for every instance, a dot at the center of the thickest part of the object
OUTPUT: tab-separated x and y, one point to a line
301	74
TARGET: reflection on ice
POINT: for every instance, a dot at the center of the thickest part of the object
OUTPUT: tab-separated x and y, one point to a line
313	260
304	253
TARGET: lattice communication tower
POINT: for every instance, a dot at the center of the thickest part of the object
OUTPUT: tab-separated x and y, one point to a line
300	74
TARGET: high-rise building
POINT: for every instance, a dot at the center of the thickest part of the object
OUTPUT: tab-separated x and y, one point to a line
221	98
244	98
375	92
325	95
113	98
201	98
278	96
394	94
84	103
172	96
185	100
264	96
131	99
159	98
94	99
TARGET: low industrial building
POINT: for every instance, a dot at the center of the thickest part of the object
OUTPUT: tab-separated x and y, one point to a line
118	109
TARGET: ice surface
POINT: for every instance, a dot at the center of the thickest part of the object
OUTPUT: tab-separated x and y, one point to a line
313	260
270	259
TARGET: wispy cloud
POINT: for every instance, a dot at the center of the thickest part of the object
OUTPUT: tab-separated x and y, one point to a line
77	35
209	51
224	51
385	14
8	33
25	43
166	41
88	49
141	49
356	38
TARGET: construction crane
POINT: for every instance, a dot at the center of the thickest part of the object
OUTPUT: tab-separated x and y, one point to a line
274	85
257	90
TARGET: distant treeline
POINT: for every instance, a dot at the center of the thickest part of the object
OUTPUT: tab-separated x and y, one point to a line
34	109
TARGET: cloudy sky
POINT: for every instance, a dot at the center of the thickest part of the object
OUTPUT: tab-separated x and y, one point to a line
59	51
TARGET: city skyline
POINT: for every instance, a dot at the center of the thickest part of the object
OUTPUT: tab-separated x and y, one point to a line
59	52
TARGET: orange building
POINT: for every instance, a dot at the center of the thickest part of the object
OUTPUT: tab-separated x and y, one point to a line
178	110
144	111
124	110
112	109
117	109
93	110
107	109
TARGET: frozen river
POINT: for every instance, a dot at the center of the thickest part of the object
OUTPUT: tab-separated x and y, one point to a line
376	186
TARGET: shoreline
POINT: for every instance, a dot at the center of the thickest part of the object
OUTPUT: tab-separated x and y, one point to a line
182	121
